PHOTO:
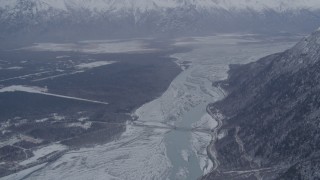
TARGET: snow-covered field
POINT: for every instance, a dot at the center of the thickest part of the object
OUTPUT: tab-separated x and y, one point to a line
29	89
24	173
43	91
15	68
94	47
44	151
93	64
141	151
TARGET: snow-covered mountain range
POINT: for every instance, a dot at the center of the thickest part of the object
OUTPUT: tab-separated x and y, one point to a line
149	5
146	17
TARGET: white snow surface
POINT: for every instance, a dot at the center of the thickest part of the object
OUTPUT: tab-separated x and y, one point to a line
95	47
185	155
182	174
206	121
82	119
43	151
43	91
140	152
62	57
86	125
15	68
57	117
93	64
29	89
10	141
41	120
24	173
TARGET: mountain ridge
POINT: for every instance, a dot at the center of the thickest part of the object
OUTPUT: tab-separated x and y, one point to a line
39	20
145	5
271	122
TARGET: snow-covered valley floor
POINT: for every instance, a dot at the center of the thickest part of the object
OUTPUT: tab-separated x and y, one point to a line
143	152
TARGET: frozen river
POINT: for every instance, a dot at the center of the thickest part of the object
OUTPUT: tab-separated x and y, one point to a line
165	153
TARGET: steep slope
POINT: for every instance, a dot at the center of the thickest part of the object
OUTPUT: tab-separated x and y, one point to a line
272	117
110	18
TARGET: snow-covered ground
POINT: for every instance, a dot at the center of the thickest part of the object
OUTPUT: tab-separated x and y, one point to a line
29	89
57	117
43	91
62	57
43	151
15	68
206	121
25	76
9	141
85	125
185	155
41	120
94	47
24	173
142	152
93	64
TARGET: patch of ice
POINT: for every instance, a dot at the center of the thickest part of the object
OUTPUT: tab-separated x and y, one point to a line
185	155
15	68
152	124
94	64
30	89
206	122
60	70
83	119
130	46
30	139
62	57
221	135
57	117
41	120
85	126
182	174
199	142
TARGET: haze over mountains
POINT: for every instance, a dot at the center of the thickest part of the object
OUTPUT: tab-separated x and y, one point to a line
81	19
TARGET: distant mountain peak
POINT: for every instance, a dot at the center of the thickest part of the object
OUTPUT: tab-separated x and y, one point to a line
154	17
